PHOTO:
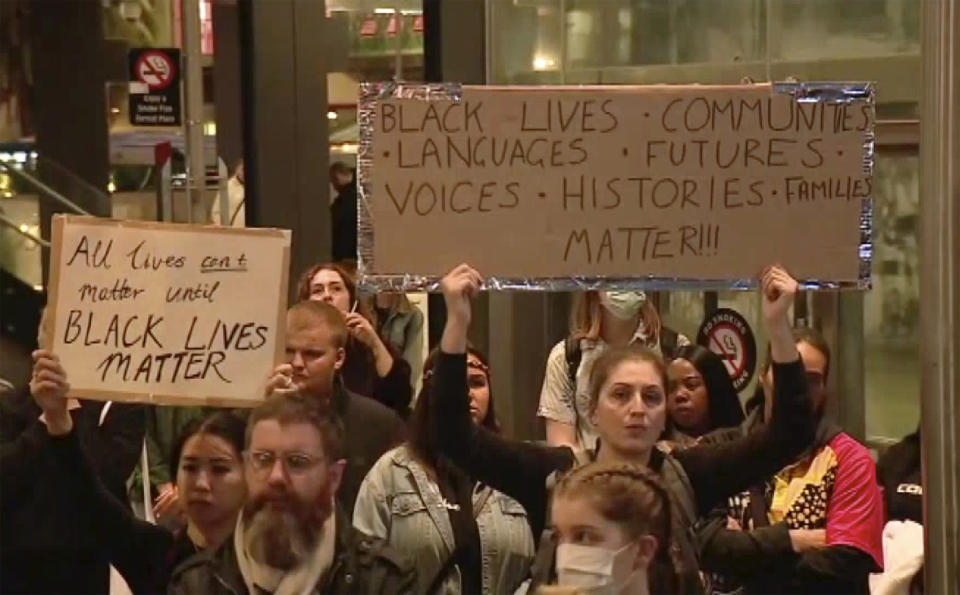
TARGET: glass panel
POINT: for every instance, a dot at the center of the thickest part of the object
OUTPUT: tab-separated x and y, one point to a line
815	29
891	309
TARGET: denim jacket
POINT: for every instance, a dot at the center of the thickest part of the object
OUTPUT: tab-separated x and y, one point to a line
399	503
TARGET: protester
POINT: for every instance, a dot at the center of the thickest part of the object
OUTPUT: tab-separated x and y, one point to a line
164	426
900	475
600	319
400	323
45	542
464	536
614	527
701	397
291	537
316	336
371	369
207	462
628	406
814	526
343	211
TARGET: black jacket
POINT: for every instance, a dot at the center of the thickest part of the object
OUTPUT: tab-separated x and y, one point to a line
343	221
371	429
361	564
46	545
359	375
520	469
143	553
899	473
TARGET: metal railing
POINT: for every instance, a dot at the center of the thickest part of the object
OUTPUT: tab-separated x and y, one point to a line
11	168
4	220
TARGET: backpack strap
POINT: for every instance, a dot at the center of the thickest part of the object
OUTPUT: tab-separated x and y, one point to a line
573	354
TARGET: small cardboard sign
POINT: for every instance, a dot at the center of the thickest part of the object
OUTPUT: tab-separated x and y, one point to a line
154	92
167	313
708	183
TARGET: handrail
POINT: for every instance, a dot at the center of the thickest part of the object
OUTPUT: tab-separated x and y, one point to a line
43	188
12	225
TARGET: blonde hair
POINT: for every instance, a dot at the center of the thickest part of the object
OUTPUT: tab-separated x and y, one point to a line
586	315
635	499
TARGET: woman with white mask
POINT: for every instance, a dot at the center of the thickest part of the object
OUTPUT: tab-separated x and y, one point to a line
614	526
600	319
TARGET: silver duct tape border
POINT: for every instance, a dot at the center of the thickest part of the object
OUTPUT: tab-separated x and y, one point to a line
370	96
846	92
372	93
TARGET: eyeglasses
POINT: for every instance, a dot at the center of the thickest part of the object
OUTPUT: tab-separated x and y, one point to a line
295	463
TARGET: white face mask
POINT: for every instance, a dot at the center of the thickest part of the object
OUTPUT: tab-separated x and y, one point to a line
596	570
623	304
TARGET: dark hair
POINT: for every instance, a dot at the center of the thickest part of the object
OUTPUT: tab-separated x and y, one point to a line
339	167
293	409
635	499
604	365
724	403
421	441
813	338
303	285
224	424
321	312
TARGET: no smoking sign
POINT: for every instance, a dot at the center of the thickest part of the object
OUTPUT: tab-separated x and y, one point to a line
155	69
154	87
727	334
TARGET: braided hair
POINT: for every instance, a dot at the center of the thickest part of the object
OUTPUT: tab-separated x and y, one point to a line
634	498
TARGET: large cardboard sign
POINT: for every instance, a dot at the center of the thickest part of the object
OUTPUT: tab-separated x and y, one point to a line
166	313
672	183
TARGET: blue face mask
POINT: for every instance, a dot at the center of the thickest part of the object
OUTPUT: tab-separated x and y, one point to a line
623	304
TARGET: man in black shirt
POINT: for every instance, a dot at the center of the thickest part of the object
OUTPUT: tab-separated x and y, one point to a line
316	336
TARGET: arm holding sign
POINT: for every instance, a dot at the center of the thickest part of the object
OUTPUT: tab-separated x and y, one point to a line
135	547
720	470
518	469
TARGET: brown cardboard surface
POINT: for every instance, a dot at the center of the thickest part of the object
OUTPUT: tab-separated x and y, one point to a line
202	323
693	182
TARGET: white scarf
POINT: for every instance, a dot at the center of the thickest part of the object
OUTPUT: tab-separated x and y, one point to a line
302	580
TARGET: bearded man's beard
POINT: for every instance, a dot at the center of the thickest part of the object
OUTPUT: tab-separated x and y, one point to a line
280	531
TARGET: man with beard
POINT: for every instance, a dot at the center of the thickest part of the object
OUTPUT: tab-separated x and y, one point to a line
316	339
291	538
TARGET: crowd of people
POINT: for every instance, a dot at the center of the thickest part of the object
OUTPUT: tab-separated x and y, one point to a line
652	477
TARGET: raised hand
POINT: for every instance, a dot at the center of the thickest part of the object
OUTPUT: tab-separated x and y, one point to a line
49	387
778	290
280	381
459	287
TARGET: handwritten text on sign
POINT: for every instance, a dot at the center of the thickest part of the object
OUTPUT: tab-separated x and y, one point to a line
693	182
167	313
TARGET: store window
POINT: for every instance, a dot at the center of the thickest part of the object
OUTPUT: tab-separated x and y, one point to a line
663	41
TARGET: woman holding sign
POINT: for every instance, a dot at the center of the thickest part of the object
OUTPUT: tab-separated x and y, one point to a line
628	396
207	463
372	368
601	319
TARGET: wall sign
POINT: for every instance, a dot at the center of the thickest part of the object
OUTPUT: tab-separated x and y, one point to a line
728	334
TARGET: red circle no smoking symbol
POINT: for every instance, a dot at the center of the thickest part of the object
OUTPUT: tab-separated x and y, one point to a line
726	342
156	69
